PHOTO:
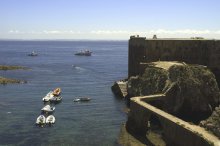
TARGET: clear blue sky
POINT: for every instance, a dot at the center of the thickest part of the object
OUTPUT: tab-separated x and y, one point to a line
108	19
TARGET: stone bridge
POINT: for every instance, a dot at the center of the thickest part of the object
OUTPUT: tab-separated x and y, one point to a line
176	132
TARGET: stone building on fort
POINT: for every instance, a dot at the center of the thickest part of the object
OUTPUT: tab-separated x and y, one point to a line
191	51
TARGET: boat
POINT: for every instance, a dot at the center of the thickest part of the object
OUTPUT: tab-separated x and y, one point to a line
48	109
48	96
41	120
33	54
82	99
50	119
56	99
84	53
56	92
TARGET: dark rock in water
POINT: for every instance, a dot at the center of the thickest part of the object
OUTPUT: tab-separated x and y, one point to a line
191	90
7	67
5	81
120	88
213	122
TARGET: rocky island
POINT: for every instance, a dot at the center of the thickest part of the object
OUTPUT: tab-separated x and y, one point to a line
4	80
7	67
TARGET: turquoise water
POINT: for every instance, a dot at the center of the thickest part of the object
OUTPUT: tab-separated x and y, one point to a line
94	123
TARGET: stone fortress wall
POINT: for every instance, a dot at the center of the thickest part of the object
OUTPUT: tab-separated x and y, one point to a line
142	51
191	51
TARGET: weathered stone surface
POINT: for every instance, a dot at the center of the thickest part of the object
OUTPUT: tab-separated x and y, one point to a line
151	82
191	91
213	122
119	88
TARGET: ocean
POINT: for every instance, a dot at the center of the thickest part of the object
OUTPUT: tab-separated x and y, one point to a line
93	123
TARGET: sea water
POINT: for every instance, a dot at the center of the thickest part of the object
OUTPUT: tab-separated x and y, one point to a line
93	123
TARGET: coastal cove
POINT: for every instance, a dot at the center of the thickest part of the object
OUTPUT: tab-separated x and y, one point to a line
93	123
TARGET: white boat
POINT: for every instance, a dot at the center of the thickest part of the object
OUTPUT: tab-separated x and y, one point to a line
41	120
48	96
56	99
48	109
84	53
82	99
50	119
33	54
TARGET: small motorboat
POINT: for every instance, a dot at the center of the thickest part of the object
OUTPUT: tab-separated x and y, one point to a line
48	109
41	120
48	96
82	99
56	99
56	92
33	54
84	53
50	119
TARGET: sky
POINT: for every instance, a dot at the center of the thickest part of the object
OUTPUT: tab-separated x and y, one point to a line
108	19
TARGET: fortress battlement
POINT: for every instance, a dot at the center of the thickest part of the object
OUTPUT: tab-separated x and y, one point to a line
195	50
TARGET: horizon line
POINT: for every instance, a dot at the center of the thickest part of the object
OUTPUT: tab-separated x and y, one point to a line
9	39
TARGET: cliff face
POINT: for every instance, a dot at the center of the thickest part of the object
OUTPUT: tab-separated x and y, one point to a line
151	82
191	91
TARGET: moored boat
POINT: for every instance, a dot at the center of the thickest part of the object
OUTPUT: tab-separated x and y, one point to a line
50	119
84	53
48	96
56	92
41	120
48	109
82	99
56	99
33	54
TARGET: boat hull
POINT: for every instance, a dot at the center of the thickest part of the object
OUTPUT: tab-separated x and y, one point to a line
48	109
50	119
41	120
82	99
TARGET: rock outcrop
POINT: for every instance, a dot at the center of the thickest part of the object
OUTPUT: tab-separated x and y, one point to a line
213	122
4	80
191	90
7	81
10	81
7	67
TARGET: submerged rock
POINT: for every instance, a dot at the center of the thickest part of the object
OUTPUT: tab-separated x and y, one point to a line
191	90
